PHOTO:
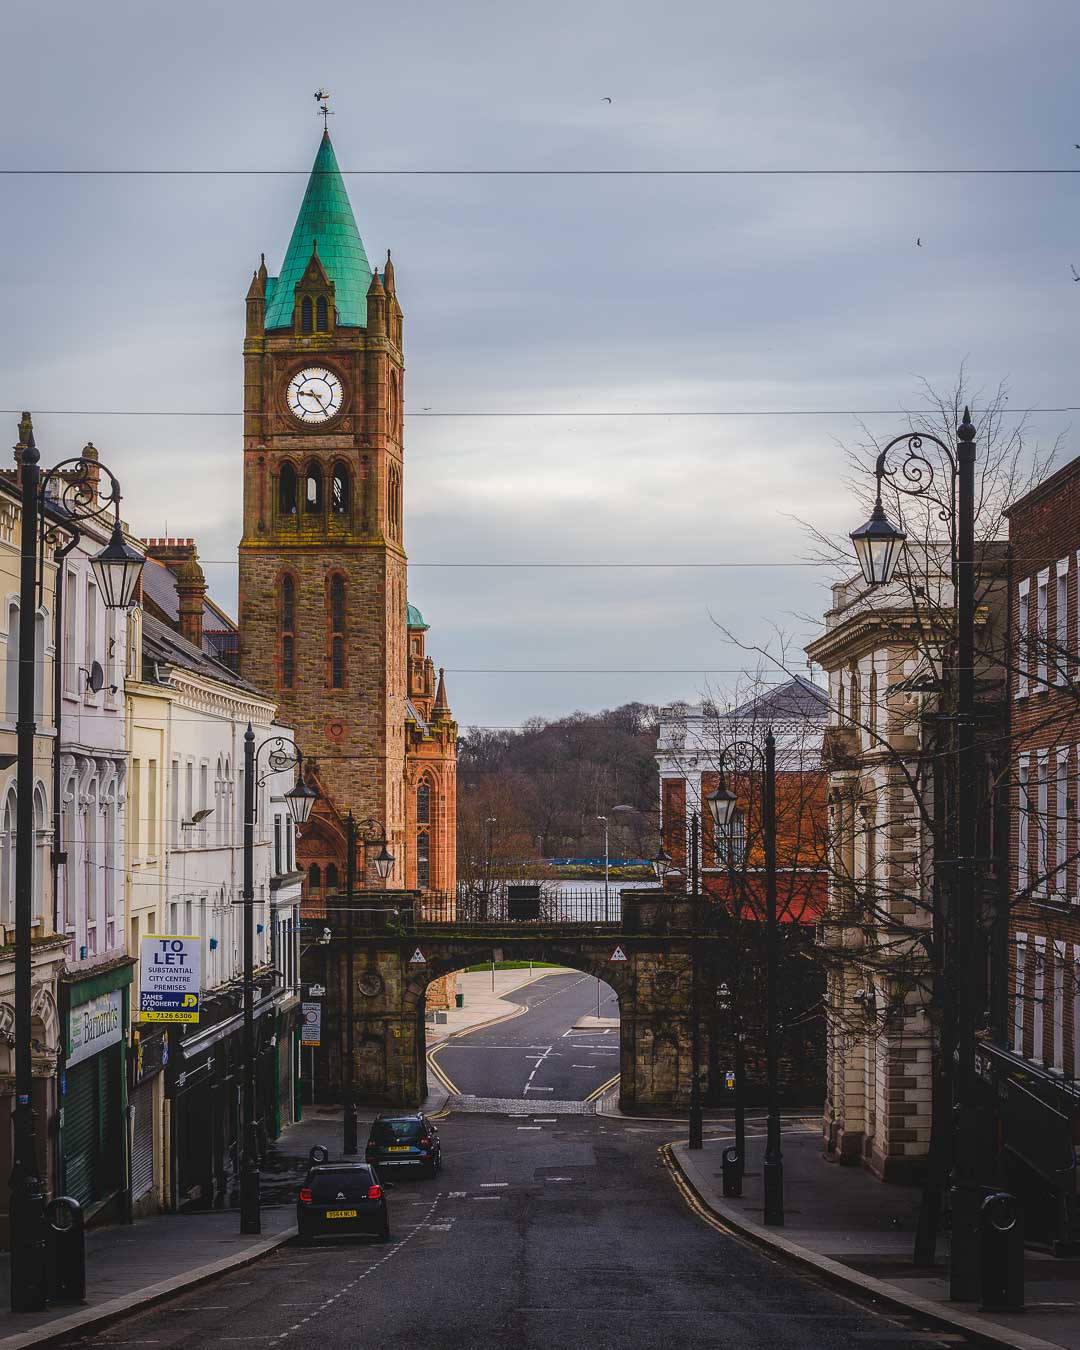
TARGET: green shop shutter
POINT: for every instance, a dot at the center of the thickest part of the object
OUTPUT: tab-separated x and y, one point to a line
80	1132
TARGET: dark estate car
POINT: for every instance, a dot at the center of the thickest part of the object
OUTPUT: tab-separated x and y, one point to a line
342	1198
404	1141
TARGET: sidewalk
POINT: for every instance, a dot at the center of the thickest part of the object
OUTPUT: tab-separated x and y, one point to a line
850	1227
133	1265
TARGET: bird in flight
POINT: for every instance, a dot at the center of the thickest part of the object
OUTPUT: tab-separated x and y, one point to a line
918	242
607	100
1076	274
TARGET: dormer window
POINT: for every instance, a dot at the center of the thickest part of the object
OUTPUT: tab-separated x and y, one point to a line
306	324
322	311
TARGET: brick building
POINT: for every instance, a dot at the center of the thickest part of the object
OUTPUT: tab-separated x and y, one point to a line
1036	1063
325	621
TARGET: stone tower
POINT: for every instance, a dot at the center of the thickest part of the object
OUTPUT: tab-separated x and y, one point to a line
322	563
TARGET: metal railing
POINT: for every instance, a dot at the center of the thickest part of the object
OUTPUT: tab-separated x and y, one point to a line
504	904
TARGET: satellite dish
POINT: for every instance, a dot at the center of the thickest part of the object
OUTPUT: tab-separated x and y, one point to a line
95	678
199	816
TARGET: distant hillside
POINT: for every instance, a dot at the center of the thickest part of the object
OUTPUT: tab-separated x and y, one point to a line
545	785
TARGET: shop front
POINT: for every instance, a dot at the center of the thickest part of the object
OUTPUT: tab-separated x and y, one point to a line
94	1144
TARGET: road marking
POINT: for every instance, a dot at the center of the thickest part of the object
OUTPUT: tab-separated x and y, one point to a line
528	1127
538	1089
583	1066
546	1120
487	1197
493	1185
458	1195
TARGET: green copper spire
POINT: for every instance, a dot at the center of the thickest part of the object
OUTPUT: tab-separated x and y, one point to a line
326	217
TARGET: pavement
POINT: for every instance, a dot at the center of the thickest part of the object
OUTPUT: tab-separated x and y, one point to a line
849	1228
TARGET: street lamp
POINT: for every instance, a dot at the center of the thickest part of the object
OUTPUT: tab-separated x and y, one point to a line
281	754
70	494
877	547
661	864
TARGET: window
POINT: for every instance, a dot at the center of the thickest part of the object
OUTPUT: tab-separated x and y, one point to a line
91	625
1041	634
1061	823
322	312
135	807
287	622
12	684
336	618
277	846
339	490
39	668
174	802
1023	638
7	848
872	717
314	877
1038	999
423	804
1057	1059
71	618
1023	824
1061	623
287	490
1018	993
731	847
1042	820
313	489
306	325
151	807
423	860
332	882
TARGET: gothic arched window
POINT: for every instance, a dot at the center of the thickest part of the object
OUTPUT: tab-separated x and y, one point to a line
339	490
393	503
423	803
313	489
336	630
287	490
287	621
314	877
306	324
321	315
423	835
331	877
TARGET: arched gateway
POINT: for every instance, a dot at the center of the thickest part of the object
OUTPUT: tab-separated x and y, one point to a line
375	1020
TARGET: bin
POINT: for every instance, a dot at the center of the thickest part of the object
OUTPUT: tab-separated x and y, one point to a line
1001	1239
459	1000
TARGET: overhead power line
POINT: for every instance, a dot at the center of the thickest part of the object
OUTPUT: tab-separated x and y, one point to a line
970	172
566	413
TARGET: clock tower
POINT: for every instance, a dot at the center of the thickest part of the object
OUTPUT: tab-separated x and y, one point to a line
323	603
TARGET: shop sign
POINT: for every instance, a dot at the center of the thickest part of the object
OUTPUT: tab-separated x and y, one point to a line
170	978
94	1026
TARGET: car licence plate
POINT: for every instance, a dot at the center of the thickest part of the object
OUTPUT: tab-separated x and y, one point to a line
399	1148
341	1213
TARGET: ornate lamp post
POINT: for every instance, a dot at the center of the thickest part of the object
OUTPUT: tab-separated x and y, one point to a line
878	546
71	493
281	754
722	804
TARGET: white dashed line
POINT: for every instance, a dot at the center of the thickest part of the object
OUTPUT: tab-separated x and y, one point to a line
528	1127
493	1185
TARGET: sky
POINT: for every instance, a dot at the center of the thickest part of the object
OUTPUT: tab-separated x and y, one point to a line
563	295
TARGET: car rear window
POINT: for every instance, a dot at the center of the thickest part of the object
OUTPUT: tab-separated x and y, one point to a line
350	1183
396	1131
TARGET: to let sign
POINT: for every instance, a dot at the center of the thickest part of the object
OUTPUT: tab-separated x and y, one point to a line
170	978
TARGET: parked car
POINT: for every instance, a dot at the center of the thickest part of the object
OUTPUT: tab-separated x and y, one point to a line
404	1141
342	1198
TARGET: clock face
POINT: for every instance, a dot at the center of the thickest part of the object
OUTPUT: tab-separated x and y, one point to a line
314	395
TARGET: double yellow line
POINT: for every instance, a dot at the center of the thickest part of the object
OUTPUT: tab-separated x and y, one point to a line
604	1087
690	1196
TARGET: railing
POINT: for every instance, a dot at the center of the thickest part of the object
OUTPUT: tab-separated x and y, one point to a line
520	906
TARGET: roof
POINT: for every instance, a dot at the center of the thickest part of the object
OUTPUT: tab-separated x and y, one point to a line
164	646
325	220
414	618
797	698
159	588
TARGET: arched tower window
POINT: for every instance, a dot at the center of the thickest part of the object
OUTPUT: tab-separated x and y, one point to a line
287	490
313	489
287	621
336	630
306	325
423	835
339	490
393	503
322	314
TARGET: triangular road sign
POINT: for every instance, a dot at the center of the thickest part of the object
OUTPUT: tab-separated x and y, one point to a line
419	959
617	955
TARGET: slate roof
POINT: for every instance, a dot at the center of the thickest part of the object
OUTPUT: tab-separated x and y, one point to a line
797	698
163	645
220	636
326	218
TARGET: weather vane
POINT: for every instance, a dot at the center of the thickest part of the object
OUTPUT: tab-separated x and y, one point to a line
321	98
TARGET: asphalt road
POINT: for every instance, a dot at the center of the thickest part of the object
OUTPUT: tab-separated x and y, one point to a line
539	1232
538	1054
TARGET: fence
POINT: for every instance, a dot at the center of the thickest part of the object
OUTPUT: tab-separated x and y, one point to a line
522	905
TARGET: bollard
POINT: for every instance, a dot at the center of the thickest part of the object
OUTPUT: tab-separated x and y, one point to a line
318	1155
65	1230
732	1173
459	1000
349	1142
1001	1251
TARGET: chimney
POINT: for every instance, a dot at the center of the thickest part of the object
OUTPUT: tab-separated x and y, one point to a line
191	593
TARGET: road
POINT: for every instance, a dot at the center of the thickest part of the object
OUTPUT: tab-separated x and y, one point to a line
539	1232
542	1230
539	1054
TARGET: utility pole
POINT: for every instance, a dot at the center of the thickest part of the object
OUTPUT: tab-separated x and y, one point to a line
773	1170
350	1133
694	1140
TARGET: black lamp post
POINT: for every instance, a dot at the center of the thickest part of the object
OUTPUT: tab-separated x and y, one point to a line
281	754
71	494
722	805
878	546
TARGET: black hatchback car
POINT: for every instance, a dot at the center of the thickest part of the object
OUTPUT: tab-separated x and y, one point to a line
345	1198
404	1141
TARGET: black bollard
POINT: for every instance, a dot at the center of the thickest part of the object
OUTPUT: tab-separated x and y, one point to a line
65	1230
732	1173
1001	1241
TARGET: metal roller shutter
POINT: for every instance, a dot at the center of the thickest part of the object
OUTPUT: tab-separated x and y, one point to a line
81	1132
142	1141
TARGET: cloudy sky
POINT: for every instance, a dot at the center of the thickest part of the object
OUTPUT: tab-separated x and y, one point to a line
564	295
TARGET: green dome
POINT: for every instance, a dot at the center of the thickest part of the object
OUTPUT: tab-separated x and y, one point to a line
414	618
